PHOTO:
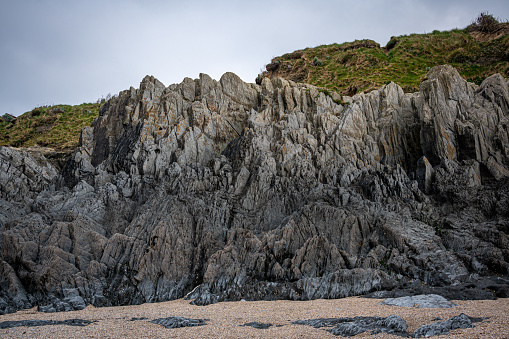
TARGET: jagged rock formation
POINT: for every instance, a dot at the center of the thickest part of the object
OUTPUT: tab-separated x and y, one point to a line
177	322
350	327
444	327
393	324
222	190
34	323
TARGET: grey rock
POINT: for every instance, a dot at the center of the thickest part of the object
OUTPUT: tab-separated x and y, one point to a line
74	299
222	190
46	308
349	327
14	294
420	301
424	174
177	322
23	175
393	324
258	325
321	322
34	323
473	288
443	327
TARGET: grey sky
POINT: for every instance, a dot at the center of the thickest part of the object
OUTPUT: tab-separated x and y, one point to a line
70	52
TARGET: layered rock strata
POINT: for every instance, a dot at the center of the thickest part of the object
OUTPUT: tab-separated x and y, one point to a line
223	190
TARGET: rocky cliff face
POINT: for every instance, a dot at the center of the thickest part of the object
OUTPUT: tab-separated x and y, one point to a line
222	190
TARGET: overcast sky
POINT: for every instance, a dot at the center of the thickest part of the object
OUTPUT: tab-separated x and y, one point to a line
70	52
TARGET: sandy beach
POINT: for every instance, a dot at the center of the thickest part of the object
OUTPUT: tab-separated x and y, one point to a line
225	319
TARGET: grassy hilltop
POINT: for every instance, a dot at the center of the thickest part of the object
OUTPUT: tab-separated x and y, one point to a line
56	127
477	51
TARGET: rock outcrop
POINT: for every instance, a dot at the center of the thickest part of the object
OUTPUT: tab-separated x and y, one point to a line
350	327
222	190
420	301
393	324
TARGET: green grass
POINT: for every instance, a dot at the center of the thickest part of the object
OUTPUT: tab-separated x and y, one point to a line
363	65
57	127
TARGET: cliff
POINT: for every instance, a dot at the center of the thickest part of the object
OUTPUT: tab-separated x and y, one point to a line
223	190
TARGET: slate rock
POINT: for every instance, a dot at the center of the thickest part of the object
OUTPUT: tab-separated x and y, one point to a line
348	327
443	327
473	288
224	190
258	325
322	322
393	322
34	323
46	308
177	322
424	173
23	175
420	301
73	298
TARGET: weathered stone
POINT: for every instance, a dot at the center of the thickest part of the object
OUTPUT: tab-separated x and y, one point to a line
177	322
349	327
258	325
443	327
33	323
424	174
420	301
22	175
222	190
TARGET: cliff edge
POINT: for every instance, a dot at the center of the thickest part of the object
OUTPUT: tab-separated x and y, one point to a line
223	190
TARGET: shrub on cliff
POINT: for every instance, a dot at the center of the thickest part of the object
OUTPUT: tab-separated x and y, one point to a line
485	23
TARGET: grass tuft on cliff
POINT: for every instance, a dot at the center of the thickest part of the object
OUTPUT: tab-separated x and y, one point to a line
478	51
57	127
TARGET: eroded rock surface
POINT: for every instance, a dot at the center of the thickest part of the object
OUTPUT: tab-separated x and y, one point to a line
393	324
258	325
34	323
178	322
444	327
222	190
349	327
420	301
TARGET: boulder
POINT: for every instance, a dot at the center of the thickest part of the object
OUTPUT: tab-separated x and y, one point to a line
420	301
